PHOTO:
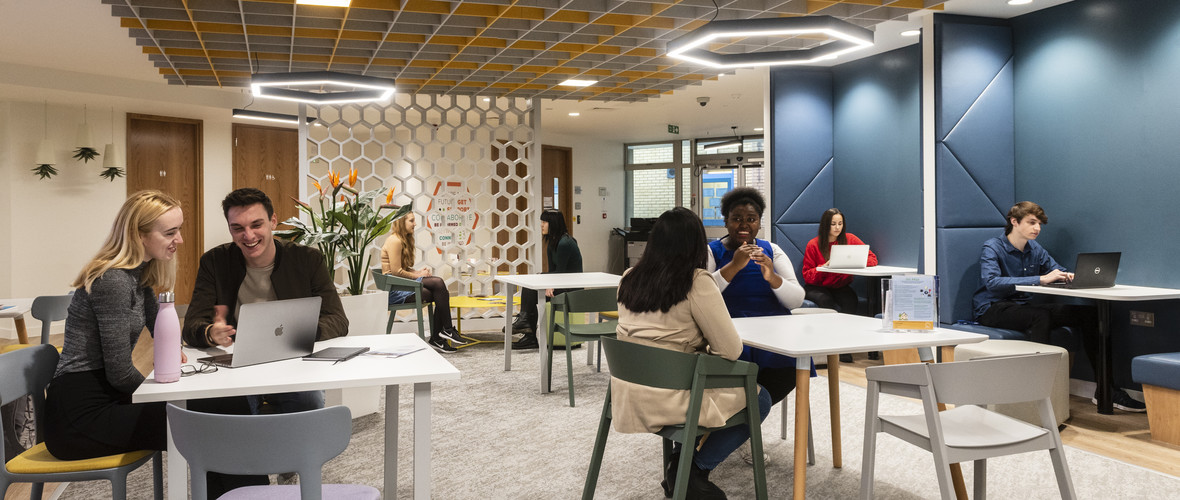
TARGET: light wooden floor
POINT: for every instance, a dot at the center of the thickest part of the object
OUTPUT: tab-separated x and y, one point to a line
1122	436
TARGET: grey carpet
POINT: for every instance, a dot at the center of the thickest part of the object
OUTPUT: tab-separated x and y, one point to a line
495	436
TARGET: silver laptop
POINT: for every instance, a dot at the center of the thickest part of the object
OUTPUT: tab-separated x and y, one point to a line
848	257
272	331
1093	270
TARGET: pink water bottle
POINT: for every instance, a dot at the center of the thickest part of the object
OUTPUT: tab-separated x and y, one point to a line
167	340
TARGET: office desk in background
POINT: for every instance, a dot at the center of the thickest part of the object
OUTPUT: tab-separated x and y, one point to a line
17	312
541	282
1102	298
419	368
875	274
815	335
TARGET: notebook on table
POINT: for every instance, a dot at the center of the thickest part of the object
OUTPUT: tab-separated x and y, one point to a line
1093	270
272	331
848	257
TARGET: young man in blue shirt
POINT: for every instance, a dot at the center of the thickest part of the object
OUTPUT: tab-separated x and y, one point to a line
1017	259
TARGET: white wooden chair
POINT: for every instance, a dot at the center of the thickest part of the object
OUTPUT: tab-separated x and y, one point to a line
969	432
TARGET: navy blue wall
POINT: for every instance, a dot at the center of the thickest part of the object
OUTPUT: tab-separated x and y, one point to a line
878	152
801	127
1098	145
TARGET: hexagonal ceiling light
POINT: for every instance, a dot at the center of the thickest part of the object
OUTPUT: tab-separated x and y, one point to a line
321	87
846	37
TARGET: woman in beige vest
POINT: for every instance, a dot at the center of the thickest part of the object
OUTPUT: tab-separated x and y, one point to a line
669	300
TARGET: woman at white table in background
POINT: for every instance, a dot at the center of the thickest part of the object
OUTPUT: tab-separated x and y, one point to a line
564	257
831	290
756	279
668	300
88	404
397	259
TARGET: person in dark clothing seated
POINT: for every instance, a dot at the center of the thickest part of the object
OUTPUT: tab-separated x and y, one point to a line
564	257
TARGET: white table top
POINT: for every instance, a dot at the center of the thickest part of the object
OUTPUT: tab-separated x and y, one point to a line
877	271
562	280
824	334
20	307
1117	292
297	375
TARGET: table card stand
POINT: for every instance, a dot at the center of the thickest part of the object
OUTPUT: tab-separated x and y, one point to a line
910	303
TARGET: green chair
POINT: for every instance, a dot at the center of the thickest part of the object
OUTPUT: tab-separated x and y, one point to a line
579	301
27	372
631	362
388	283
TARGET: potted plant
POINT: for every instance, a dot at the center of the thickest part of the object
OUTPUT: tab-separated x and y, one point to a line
344	225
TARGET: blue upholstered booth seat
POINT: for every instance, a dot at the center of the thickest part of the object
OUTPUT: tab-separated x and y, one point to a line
991	332
1160	370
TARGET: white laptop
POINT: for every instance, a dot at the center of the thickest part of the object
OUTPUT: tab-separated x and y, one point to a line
272	331
848	257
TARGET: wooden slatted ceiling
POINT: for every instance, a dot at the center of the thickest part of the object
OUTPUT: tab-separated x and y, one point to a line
489	47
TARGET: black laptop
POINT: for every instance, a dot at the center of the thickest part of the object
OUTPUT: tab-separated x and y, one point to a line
1093	270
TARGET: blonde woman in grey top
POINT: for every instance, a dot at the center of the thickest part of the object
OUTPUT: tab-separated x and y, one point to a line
88	403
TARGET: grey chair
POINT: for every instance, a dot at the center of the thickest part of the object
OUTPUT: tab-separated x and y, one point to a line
50	308
969	432
27	372
389	283
266	444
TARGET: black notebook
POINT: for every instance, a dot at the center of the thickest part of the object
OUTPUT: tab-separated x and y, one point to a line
336	354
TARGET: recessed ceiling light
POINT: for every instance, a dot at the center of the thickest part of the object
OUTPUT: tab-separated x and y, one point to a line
324	3
1019	2
575	113
487	99
759	129
578	83
911	33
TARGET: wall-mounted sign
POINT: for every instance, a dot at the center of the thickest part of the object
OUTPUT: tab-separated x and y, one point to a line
451	215
673	129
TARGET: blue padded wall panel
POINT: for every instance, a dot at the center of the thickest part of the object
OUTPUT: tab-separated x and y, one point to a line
801	127
965	204
958	269
971	54
974	150
877	146
982	141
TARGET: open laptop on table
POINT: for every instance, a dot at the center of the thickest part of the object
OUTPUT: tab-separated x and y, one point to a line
272	331
1093	270
848	257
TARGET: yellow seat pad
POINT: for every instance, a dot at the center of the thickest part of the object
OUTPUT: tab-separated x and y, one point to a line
38	460
12	347
609	314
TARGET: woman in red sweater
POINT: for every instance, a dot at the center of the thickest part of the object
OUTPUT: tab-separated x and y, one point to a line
830	290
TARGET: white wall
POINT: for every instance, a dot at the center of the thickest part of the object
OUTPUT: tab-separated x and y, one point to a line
53	226
596	163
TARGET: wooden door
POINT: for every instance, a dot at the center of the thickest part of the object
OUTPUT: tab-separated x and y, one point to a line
164	153
267	158
557	186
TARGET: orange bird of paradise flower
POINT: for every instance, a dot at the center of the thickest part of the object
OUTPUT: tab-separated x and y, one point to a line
389	197
352	177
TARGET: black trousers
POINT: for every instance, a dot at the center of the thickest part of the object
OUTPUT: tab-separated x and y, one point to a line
528	303
1037	320
843	299
87	417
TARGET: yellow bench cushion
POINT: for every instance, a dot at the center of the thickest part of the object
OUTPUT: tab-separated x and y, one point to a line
12	347
38	460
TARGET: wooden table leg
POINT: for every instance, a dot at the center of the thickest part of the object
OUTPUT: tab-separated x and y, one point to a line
22	334
802	404
834	407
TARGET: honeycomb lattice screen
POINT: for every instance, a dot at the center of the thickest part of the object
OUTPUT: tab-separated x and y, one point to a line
463	161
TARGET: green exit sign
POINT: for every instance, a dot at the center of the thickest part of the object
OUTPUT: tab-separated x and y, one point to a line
673	129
